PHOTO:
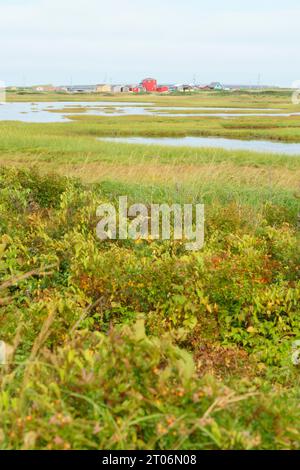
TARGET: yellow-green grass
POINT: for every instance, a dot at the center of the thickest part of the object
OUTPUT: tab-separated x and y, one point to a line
147	172
82	109
242	99
286	129
224	111
72	149
280	128
164	110
77	142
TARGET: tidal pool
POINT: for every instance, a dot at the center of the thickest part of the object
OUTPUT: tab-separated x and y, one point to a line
62	111
265	146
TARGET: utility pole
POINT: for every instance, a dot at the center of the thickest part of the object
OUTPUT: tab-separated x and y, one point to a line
259	80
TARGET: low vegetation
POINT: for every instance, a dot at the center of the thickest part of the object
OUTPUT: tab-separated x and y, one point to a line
141	344
136	345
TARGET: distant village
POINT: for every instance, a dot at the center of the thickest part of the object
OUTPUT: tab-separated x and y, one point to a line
148	85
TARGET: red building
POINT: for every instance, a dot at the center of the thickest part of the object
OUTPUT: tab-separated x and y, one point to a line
162	89
149	84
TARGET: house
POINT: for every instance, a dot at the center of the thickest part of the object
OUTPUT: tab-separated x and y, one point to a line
216	86
80	88
162	89
116	88
149	85
44	88
205	88
103	88
185	87
125	89
178	87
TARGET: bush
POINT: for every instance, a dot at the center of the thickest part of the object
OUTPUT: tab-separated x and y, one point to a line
83	372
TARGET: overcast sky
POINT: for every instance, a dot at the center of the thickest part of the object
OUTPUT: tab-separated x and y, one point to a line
92	41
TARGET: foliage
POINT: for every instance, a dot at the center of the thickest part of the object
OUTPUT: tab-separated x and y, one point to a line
110	340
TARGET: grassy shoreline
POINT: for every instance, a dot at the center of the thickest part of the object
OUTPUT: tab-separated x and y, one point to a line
238	99
258	128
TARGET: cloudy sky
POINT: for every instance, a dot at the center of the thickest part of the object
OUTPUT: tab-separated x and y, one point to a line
91	41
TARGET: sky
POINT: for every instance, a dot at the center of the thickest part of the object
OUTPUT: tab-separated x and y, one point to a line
116	41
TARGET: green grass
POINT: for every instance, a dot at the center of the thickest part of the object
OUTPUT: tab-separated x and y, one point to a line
80	138
126	345
286	129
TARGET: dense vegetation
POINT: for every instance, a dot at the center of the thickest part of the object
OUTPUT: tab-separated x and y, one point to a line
133	345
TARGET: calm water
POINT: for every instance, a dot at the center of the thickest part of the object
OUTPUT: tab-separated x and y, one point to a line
41	112
214	142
